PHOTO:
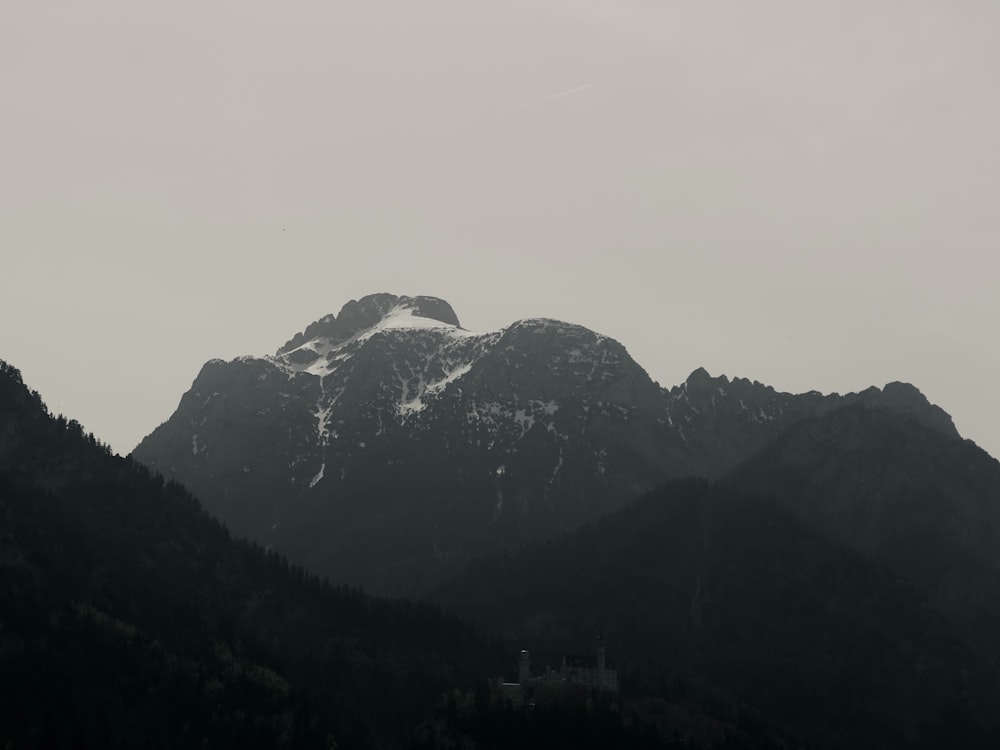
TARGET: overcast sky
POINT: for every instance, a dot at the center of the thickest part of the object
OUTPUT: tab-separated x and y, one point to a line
799	193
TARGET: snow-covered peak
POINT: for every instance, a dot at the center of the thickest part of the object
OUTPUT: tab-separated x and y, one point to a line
408	314
415	347
358	316
425	325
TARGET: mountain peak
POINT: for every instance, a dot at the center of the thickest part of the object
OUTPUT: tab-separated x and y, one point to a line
700	383
374	308
906	398
359	315
700	376
433	308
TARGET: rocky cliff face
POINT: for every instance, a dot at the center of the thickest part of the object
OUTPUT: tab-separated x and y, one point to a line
387	445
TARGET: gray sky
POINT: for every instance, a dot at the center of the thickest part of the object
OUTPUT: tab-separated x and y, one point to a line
799	193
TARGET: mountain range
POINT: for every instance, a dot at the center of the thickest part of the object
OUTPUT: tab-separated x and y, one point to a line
828	578
387	446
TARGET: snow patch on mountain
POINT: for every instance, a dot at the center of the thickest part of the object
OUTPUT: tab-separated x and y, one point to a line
319	475
413	404
405	317
322	414
494	415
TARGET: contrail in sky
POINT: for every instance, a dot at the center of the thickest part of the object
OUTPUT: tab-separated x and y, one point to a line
566	93
538	102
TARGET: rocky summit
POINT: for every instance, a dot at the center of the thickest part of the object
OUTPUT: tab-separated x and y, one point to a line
387	446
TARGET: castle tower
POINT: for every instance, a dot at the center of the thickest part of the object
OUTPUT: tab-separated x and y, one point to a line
524	669
600	657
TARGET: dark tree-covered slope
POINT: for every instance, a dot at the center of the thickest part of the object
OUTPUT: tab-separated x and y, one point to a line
922	503
700	579
130	618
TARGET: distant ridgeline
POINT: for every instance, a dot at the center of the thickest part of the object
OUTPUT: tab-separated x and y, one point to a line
576	674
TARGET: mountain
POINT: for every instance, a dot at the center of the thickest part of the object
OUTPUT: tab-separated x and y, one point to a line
725	422
130	618
699	579
387	446
913	499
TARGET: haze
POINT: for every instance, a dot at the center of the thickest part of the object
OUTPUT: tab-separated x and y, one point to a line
803	194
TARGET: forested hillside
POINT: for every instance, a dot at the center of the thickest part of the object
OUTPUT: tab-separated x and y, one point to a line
701	580
129	618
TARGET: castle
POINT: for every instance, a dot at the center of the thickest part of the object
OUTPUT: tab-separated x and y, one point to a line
589	672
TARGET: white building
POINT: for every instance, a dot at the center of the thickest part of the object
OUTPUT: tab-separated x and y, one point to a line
590	671
583	671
